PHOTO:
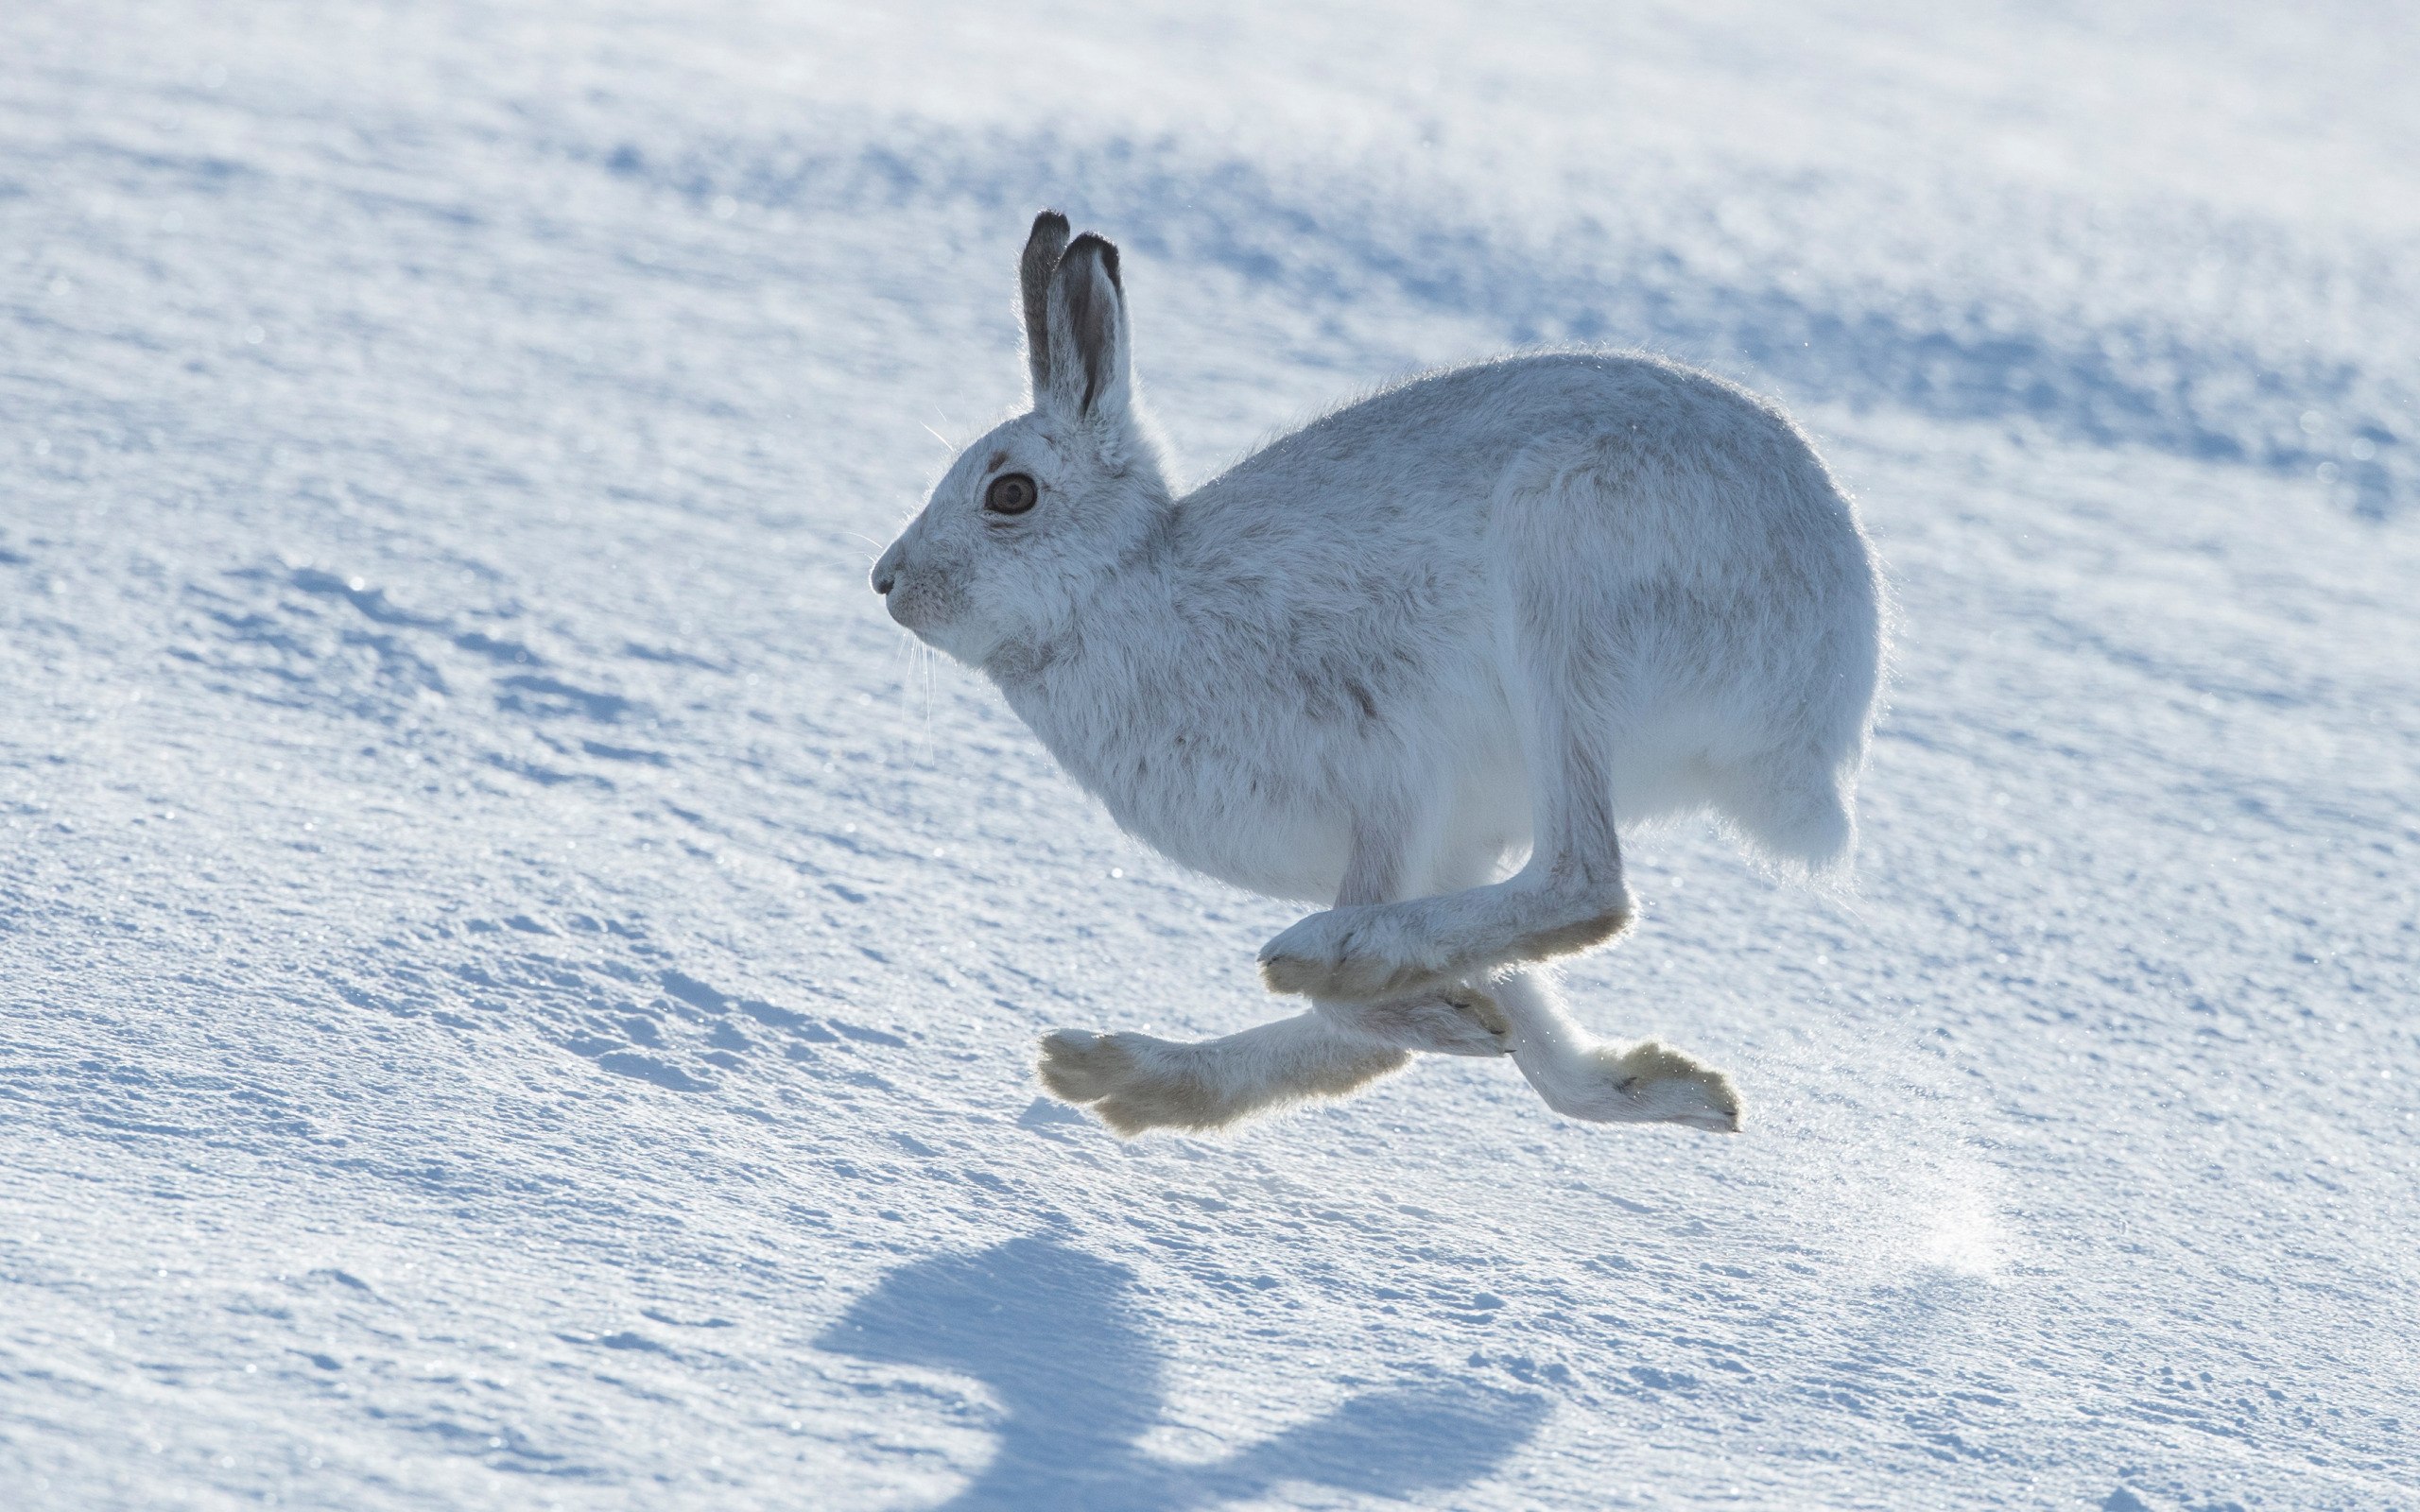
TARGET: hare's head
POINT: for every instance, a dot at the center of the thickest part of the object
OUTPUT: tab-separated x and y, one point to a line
1030	521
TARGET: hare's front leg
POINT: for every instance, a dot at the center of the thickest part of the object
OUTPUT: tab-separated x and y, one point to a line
1581	1076
1577	1075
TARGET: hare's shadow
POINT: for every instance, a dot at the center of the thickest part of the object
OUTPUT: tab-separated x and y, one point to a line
1055	1333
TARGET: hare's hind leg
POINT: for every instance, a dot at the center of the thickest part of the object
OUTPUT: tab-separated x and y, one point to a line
1570	896
1457	1021
1137	1082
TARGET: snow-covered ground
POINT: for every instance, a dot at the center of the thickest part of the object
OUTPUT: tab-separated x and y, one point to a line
519	983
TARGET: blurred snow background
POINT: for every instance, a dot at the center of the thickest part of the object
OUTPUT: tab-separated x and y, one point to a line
519	984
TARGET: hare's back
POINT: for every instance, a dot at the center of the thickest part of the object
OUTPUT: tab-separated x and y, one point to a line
1430	455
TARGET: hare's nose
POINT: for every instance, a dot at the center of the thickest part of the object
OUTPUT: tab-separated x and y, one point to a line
886	572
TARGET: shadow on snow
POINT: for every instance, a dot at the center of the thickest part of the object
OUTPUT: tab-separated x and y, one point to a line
1056	1335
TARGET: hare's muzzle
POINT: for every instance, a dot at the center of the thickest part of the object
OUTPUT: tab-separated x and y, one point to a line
886	572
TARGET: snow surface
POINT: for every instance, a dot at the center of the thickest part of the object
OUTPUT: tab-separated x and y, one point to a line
520	984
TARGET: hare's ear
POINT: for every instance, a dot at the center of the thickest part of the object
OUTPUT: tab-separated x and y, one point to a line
1088	377
1042	248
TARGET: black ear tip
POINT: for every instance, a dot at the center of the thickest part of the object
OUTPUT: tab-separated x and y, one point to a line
1050	220
1100	247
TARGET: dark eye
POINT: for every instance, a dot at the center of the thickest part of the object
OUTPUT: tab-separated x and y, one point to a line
1010	493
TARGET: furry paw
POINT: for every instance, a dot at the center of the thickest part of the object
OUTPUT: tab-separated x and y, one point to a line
1655	1084
1132	1081
1355	954
1080	1067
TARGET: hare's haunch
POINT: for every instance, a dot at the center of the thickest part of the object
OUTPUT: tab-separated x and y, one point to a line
1472	624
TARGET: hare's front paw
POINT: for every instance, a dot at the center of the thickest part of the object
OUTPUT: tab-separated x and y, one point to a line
1656	1084
1356	953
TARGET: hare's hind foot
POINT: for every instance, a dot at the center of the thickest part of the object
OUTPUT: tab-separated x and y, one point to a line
1362	953
1426	944
1135	1082
1132	1081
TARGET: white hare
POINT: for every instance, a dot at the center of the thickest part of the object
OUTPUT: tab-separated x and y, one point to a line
1492	613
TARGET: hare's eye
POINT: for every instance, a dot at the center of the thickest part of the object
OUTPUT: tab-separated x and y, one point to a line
1010	493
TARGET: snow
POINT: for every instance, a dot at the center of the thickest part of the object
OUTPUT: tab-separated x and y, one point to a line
520	984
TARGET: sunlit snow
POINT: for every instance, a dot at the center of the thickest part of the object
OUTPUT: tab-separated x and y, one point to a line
520	983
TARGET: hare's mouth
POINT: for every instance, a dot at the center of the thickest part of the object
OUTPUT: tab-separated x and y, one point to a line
900	604
932	618
920	603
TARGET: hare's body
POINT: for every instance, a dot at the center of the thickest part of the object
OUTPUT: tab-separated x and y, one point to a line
1327	640
1476	621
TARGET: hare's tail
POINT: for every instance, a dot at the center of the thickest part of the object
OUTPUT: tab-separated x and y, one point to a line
1794	810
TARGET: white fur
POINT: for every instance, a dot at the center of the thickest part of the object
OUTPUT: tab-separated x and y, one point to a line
1487	616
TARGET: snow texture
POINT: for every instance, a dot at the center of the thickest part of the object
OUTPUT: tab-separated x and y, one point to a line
520	985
